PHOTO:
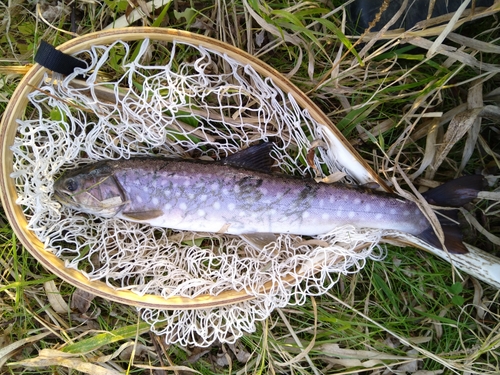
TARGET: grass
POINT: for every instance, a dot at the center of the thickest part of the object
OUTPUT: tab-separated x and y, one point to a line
409	313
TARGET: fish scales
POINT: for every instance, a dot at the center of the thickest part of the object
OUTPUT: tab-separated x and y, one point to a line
207	197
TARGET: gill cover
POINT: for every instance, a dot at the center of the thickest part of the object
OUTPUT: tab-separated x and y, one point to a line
92	189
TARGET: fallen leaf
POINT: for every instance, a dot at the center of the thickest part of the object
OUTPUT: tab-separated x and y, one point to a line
56	301
7	351
240	353
197	353
81	300
50	357
459	125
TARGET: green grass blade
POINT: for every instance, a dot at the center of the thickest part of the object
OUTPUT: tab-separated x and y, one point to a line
106	338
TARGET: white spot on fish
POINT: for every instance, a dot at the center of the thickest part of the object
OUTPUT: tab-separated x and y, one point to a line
406	213
321	203
187	183
216	205
382	204
339	213
127	189
145	188
236	189
351	214
279	195
368	208
305	215
214	186
231	206
139	199
357	201
203	198
345	197
242	213
191	196
225	191
155	201
167	207
272	211
393	211
417	211
183	206
200	213
325	216
378	216
177	194
263	191
331	199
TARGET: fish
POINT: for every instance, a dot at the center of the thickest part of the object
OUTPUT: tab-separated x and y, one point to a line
241	195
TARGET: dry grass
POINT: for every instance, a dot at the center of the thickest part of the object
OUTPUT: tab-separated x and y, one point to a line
423	104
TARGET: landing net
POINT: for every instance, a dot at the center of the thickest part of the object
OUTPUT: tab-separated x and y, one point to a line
198	104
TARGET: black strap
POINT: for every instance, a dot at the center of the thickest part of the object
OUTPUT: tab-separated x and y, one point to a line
57	61
362	12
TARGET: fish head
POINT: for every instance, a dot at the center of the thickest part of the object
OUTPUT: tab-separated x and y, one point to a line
91	189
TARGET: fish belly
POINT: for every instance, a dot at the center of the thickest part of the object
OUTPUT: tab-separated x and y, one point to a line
218	198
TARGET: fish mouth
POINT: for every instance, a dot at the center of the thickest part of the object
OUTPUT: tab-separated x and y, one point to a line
64	199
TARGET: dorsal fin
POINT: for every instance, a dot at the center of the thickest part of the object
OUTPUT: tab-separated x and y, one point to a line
257	158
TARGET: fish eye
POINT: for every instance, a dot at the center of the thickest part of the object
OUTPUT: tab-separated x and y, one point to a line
71	185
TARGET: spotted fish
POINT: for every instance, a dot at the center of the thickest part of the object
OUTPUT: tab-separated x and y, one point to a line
239	195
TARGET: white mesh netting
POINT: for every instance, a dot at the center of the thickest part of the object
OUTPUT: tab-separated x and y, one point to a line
199	103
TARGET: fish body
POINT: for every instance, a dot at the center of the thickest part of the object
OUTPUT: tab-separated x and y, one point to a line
227	198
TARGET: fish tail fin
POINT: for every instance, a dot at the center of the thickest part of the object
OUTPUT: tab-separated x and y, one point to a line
455	193
452	236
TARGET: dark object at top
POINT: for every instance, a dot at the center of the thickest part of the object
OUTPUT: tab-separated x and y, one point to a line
57	61
362	12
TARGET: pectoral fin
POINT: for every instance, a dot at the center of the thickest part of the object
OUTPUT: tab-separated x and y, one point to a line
142	215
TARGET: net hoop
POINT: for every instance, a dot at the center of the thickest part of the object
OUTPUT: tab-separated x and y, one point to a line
357	167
